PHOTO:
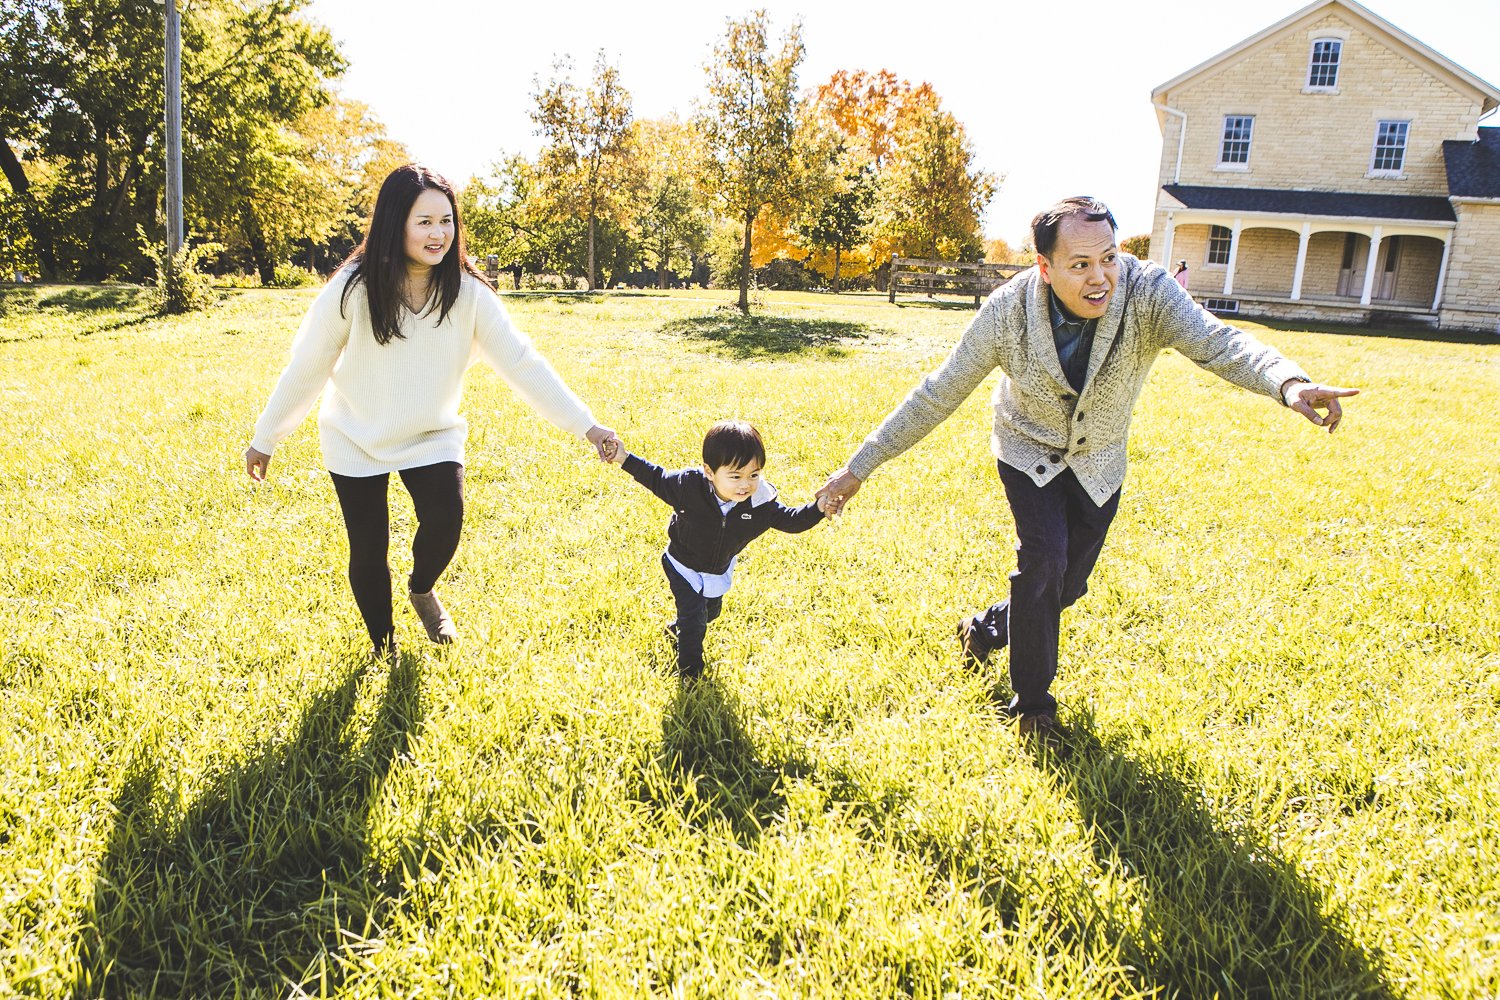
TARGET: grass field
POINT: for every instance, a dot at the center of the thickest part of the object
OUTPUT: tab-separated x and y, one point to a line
1284	685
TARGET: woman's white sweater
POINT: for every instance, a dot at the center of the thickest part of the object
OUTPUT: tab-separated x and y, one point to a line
394	406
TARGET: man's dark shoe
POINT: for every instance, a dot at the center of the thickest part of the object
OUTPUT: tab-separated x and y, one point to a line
974	645
1041	728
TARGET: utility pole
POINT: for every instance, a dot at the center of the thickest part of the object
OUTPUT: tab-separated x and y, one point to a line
174	128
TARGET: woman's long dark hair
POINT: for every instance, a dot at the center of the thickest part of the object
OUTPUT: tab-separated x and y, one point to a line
380	261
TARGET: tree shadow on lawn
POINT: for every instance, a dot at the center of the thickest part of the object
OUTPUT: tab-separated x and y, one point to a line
758	336
247	890
710	761
1224	914
92	298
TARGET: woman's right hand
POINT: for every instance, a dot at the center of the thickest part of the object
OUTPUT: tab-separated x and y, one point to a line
256	464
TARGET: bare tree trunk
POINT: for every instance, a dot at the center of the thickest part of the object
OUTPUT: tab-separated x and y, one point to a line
836	252
744	302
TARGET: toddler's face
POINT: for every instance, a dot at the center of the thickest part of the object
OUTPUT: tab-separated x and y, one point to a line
734	482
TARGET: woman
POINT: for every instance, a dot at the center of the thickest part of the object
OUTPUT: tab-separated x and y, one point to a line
1181	273
391	336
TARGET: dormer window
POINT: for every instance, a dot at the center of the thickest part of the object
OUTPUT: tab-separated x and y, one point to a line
1323	67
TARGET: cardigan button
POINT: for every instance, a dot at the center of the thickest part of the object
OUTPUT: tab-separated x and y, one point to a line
1078	416
1054	458
1082	440
1041	469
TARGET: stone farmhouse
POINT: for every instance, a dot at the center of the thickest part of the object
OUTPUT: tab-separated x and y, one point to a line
1333	168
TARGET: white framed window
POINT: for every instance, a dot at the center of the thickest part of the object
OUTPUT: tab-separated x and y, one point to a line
1234	149
1323	64
1220	240
1389	155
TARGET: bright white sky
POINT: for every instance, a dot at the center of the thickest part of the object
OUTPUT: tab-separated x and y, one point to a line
1056	96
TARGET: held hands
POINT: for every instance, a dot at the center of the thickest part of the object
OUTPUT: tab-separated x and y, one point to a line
607	444
1309	398
841	486
256	464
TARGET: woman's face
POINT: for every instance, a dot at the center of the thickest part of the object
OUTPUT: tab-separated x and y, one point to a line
429	229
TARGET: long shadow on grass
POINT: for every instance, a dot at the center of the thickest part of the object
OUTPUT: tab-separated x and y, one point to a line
1224	914
709	760
766	336
244	891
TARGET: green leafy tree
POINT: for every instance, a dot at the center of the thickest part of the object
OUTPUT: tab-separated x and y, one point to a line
749	124
91	90
932	194
838	221
32	69
671	221
588	139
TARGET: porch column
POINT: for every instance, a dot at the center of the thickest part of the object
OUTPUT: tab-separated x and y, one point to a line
1301	261
1437	295
1364	297
1234	252
1166	243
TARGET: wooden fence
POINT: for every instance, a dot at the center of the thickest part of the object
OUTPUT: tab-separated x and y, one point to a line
949	277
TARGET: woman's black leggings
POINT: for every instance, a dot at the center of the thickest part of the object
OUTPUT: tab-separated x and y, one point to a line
437	493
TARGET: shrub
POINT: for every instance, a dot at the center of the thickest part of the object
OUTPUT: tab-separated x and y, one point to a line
180	286
289	275
1137	246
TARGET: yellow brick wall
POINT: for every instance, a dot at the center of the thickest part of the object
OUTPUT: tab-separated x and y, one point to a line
1473	284
1318	141
1417	271
1325	255
1266	262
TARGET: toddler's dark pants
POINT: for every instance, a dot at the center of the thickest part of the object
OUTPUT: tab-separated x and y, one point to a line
694	612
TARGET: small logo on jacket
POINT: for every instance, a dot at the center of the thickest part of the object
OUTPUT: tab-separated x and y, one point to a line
745	517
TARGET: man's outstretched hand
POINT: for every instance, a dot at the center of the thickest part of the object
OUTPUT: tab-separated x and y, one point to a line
841	486
1318	403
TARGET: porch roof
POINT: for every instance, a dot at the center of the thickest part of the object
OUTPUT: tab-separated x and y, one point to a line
1331	204
1474	167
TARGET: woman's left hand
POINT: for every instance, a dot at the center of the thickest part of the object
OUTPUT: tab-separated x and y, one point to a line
605	441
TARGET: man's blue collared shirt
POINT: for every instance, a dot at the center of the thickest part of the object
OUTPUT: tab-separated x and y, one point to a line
1075	342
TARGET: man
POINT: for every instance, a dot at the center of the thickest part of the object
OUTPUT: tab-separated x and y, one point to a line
1075	338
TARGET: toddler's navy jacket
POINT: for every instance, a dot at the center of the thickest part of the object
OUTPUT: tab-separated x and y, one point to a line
700	535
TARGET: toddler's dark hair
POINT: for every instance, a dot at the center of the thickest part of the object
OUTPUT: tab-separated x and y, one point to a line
734	443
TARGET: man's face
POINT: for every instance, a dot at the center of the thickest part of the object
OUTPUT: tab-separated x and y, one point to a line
1083	267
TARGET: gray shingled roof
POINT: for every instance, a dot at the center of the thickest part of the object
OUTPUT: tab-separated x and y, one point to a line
1474	167
1336	204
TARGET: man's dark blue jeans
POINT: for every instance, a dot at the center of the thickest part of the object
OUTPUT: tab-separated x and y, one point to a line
1060	533
694	612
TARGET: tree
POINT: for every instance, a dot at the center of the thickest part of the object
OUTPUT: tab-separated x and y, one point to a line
33	66
250	67
932	195
749	127
588	137
671	222
839	222
999	251
866	108
1137	246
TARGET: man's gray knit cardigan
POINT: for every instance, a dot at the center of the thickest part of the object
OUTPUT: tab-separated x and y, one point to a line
1041	424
